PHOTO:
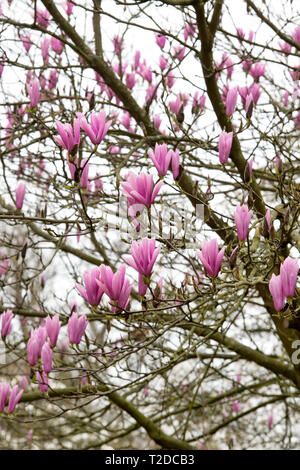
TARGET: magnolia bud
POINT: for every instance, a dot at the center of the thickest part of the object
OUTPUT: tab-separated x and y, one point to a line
180	115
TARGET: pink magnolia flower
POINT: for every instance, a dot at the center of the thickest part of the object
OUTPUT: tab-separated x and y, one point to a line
246	64
231	100
46	356
45	49
137	58
4	392
179	52
170	79
236	406
93	292
163	63
139	189
130	80
254	91
227	65
147	74
285	47
198	103
248	108
115	286
33	91
43	18
144	255
225	143
151	93
68	138
161	158
160	40
288	273
98	184
125	120
76	328
296	34
242	217
6	325
276	289
20	194
268	219
240	33
41	334
176	164
211	257
243	91
118	44
251	35
189	30
295	74
286	98
52	328
257	70
68	7
248	171
57	45
270	421
97	129
26	42
32	350
14	398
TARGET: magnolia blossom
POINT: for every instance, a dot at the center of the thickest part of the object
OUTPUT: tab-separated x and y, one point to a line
140	191
288	273
161	158
76	328
69	138
4	392
92	292
52	326
46	355
97	129
116	286
6	325
242	217
14	398
160	40
144	255
33	91
276	289
20	194
225	143
211	257
257	70
231	100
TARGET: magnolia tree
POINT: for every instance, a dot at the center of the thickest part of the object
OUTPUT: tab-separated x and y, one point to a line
150	201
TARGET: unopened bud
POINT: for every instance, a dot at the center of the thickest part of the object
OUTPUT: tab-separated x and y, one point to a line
180	115
24	249
233	257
